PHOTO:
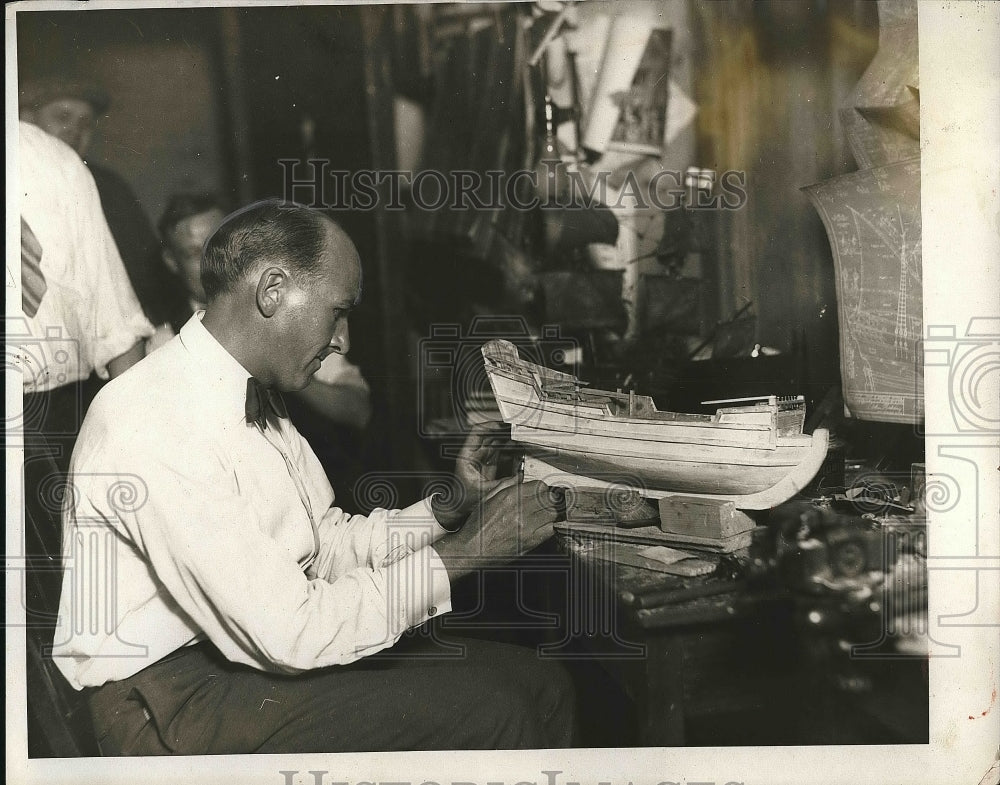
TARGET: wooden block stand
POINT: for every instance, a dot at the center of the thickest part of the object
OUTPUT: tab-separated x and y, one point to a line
692	516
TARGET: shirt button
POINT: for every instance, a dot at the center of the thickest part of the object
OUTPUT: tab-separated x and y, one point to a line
432	610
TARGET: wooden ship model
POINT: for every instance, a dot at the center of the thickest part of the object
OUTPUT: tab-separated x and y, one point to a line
754	455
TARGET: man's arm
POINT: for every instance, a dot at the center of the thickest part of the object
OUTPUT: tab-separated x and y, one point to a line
126	360
245	590
115	321
348	542
513	519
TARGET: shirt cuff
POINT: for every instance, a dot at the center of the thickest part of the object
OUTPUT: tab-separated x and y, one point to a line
420	582
421	514
109	347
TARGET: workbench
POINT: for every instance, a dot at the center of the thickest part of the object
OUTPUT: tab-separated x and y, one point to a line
726	669
702	661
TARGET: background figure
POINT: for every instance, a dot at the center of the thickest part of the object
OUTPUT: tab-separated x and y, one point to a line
185	226
69	111
334	411
82	323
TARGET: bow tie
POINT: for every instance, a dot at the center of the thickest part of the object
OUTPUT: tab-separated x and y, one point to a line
259	400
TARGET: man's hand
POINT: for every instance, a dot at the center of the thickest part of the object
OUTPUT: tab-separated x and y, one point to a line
476	472
512	519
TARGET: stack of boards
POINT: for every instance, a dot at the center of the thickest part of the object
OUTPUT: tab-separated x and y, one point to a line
693	523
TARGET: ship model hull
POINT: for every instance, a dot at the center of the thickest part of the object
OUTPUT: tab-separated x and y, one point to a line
756	456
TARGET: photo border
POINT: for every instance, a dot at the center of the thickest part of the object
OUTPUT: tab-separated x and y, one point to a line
959	50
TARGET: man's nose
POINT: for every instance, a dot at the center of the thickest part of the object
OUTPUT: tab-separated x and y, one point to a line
341	341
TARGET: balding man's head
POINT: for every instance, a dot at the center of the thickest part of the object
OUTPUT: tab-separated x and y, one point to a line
284	277
264	233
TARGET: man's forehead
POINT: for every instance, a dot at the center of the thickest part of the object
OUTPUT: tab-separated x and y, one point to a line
199	227
68	103
343	265
345	276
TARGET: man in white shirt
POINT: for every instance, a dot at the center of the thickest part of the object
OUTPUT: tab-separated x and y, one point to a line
214	598
80	323
71	111
88	320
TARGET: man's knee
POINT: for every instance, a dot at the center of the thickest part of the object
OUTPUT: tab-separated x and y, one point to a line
534	713
508	718
556	704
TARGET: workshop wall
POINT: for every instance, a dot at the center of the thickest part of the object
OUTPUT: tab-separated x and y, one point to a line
770	79
164	130
212	98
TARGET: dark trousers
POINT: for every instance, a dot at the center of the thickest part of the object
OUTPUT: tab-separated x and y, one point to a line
48	433
415	696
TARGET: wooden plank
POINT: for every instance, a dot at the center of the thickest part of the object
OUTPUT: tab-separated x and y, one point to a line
652	535
632	555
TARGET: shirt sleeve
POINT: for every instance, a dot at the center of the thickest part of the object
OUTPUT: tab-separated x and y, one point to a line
113	318
347	542
246	591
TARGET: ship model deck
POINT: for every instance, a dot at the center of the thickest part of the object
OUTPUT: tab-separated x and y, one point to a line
754	455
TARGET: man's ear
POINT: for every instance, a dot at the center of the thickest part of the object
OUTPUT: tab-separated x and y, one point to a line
271	287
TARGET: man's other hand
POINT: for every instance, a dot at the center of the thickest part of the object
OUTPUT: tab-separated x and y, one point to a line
512	519
477	470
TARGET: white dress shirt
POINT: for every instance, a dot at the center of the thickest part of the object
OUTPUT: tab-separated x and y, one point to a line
187	522
89	314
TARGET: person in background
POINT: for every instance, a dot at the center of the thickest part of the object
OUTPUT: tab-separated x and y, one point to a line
80	321
81	316
69	110
333	411
185	226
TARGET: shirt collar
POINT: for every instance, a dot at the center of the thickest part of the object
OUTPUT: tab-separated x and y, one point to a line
226	377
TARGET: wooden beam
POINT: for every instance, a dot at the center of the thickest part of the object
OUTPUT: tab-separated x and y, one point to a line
376	31
237	120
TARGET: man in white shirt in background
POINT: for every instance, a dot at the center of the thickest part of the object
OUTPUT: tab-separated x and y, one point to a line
80	323
215	600
88	319
72	110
